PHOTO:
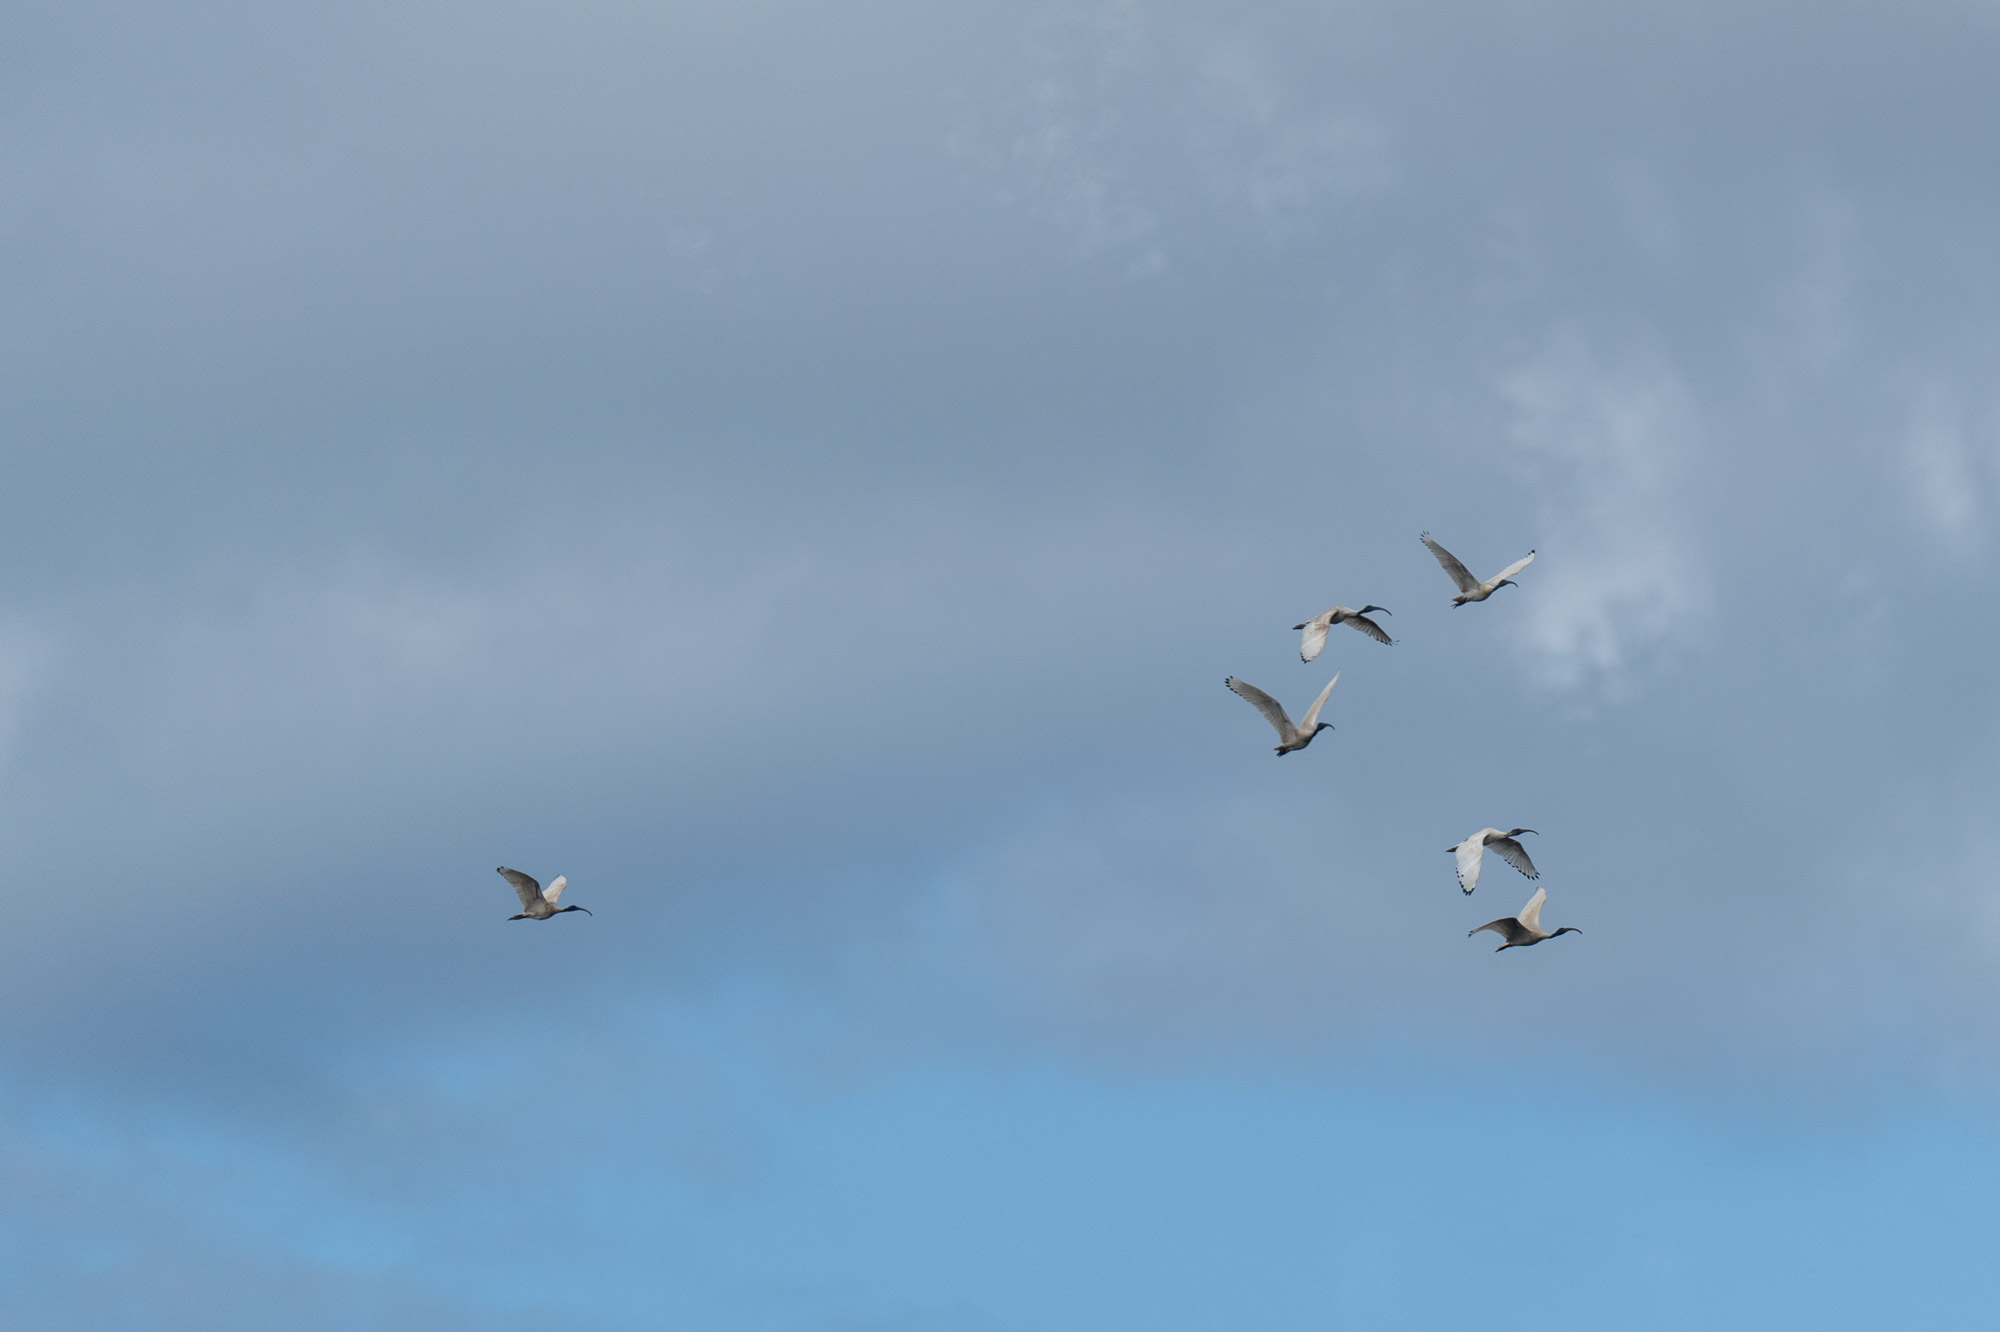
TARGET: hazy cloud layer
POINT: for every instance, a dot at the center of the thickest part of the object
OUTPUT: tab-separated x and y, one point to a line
806	475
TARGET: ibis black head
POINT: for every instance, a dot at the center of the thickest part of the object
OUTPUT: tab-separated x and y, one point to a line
585	910
1516	832
1384	609
1567	929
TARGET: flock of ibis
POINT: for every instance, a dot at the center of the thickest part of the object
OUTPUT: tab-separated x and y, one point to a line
1519	931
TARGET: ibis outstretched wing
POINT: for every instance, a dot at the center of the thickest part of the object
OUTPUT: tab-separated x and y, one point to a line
529	891
1313	639
1370	628
1312	713
1511	851
1264	703
1449	563
1471	853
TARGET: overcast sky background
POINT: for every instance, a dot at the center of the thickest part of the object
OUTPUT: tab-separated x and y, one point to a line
803	472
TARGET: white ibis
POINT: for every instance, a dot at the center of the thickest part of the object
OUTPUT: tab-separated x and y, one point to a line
1290	737
1524	930
1470	588
1472	851
1314	637
537	904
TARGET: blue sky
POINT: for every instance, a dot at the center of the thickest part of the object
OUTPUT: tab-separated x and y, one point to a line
804	473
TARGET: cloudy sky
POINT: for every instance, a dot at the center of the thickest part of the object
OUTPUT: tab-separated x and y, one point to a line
803	472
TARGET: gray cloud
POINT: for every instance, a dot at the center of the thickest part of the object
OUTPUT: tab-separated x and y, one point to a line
730	456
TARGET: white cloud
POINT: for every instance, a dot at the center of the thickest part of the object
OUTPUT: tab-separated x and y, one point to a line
1286	164
1063	155
1083	146
1938	467
1605	448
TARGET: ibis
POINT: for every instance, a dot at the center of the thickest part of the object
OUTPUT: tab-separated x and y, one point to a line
1524	930
1290	737
1470	588
538	903
1314	637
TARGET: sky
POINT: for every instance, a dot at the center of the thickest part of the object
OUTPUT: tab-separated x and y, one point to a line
803	472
